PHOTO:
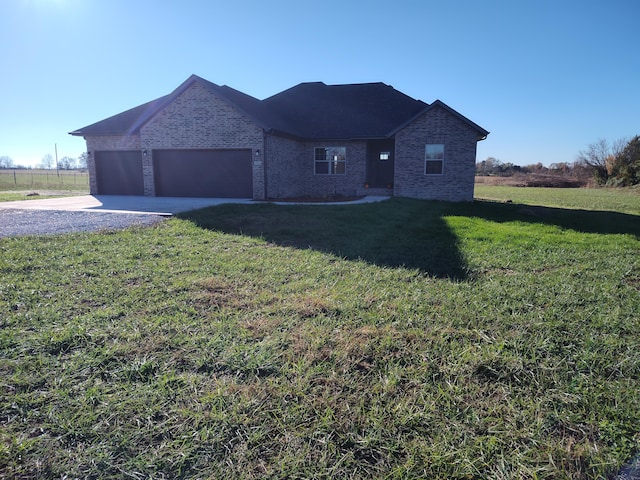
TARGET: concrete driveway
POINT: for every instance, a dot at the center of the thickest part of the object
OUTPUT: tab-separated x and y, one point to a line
144	205
120	204
101	212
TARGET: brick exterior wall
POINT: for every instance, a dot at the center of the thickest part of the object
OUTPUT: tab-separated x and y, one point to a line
283	159
197	119
456	183
200	119
291	169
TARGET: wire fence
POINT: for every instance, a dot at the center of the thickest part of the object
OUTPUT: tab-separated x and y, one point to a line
21	179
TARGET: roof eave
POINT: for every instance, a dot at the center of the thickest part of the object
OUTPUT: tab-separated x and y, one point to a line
80	133
482	133
364	138
134	128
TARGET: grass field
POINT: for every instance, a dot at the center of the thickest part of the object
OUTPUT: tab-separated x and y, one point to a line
34	180
625	200
405	339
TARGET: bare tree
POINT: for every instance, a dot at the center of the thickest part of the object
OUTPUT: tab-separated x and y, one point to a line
6	162
67	163
82	160
600	157
47	162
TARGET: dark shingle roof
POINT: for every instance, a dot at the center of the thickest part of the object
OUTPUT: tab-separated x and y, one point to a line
131	121
367	110
309	111
250	105
125	122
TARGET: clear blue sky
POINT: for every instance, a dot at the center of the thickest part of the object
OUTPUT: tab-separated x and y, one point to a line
545	77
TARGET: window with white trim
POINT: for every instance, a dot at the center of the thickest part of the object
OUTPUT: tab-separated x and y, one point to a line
330	160
433	158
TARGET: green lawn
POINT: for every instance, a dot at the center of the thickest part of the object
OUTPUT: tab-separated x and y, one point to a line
626	200
33	184
405	339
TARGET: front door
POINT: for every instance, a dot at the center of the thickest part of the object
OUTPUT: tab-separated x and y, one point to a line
380	161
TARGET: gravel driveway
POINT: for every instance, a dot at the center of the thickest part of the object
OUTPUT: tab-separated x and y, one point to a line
85	213
15	222
102	212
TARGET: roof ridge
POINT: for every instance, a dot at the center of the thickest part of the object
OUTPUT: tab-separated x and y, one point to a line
166	101
357	84
311	110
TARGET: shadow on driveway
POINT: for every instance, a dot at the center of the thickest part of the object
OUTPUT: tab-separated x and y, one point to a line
165	206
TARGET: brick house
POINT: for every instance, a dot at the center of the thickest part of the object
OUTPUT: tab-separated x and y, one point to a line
312	140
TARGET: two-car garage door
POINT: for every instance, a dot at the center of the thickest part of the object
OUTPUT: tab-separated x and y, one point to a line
177	173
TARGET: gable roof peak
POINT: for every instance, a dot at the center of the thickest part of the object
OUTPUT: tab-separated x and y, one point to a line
310	110
482	133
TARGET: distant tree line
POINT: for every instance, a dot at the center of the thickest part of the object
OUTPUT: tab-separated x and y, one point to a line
6	162
48	162
494	167
615	164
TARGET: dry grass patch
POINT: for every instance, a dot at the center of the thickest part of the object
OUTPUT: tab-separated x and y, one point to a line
234	345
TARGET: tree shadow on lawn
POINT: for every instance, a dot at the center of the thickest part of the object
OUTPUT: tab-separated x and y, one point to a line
395	233
584	221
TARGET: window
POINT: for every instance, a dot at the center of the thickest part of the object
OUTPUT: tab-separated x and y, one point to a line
330	160
433	158
385	155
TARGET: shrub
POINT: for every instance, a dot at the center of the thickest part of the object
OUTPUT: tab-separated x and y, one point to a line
626	165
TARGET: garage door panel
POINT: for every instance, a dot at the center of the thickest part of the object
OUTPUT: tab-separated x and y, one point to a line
119	172
203	173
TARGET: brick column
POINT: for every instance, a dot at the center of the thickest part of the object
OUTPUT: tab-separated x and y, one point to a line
147	173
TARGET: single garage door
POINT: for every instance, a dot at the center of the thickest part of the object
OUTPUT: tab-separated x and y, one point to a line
203	173
119	172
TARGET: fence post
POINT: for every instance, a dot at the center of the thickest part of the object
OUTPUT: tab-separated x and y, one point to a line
15	180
